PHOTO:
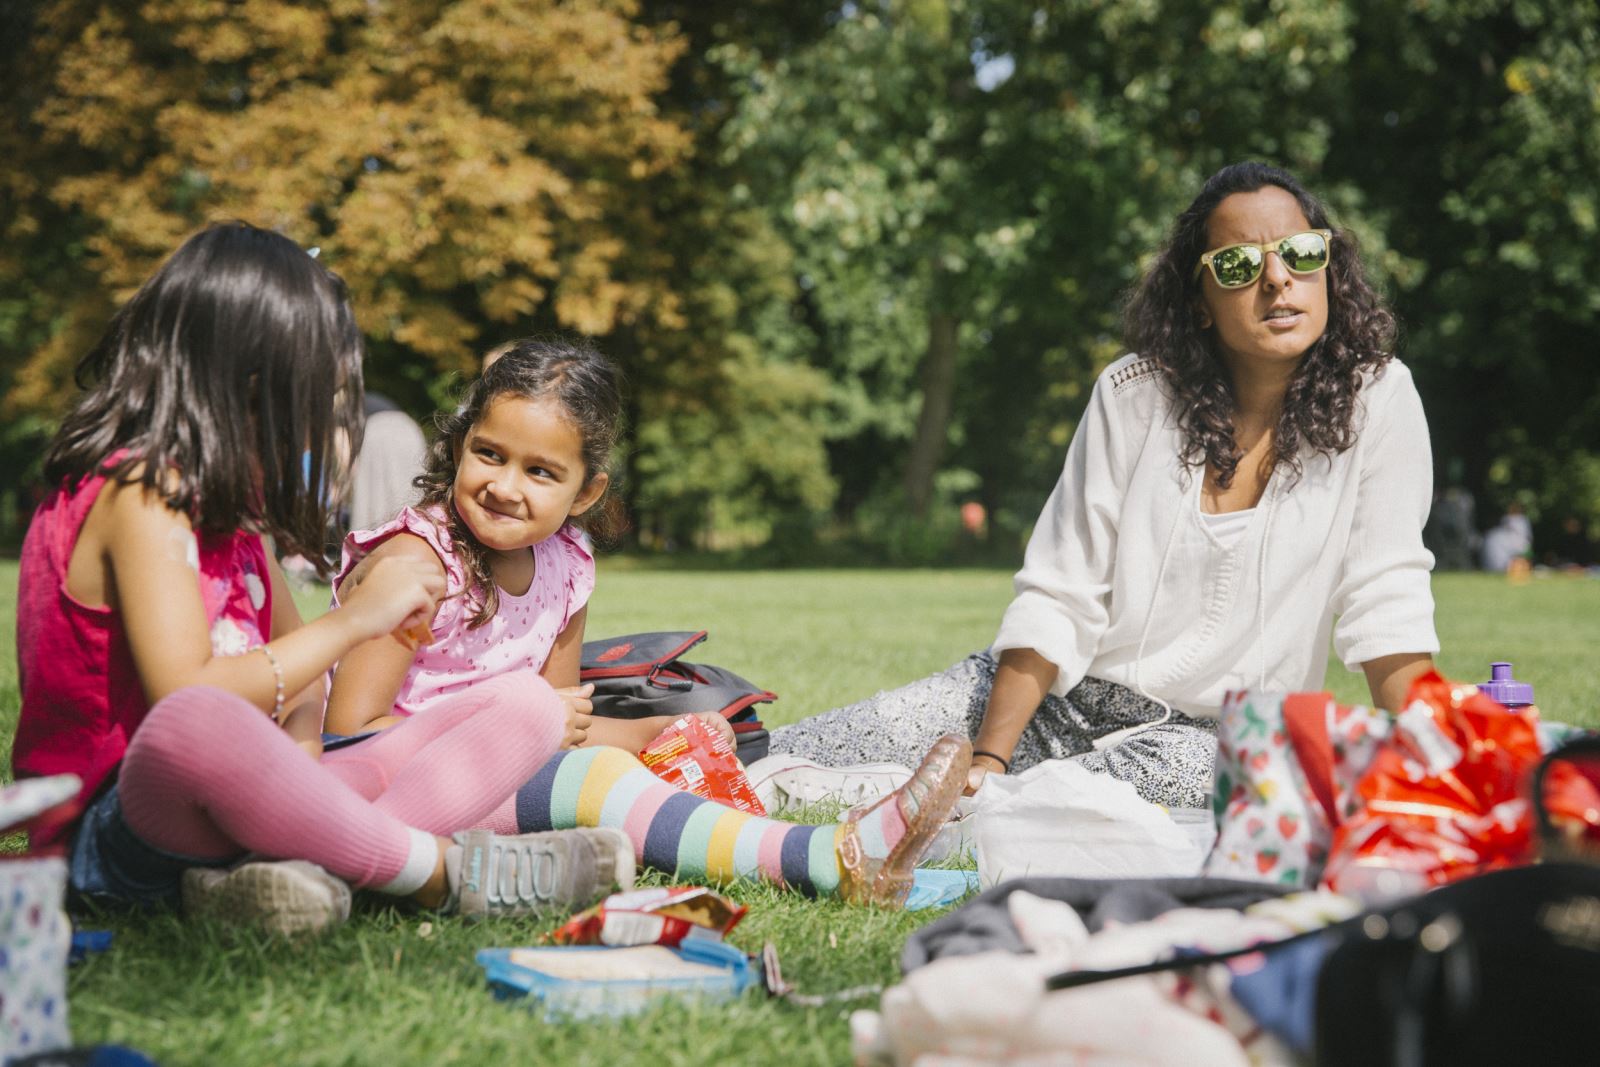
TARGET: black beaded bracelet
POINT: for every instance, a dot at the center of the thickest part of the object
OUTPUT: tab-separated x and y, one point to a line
1005	764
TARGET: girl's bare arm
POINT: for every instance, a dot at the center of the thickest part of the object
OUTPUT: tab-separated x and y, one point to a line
368	677
302	716
153	586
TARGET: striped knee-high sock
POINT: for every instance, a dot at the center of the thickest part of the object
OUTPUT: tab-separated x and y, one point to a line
684	835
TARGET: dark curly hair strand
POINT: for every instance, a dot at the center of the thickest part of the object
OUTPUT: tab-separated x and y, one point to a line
1319	408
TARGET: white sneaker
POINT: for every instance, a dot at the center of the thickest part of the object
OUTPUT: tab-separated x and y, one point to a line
786	783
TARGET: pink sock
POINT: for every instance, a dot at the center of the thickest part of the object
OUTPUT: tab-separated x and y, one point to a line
209	775
882	828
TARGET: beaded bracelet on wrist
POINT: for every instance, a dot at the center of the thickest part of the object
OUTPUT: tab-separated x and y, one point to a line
277	679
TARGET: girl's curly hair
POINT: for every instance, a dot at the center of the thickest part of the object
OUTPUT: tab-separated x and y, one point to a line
588	387
1160	322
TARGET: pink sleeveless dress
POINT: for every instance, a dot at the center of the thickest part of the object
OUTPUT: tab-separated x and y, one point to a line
518	637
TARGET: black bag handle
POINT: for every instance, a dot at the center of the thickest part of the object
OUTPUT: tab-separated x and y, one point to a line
1074	979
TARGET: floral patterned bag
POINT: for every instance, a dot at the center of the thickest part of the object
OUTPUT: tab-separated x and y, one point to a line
1287	765
35	935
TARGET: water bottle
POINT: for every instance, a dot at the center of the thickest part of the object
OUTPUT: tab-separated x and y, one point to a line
1506	689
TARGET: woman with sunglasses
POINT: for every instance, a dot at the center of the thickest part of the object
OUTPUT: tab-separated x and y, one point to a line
1253	478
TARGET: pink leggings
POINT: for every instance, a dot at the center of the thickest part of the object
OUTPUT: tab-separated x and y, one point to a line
208	775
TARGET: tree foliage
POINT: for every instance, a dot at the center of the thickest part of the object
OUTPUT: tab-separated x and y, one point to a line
461	164
475	169
1012	163
1480	138
927	196
855	258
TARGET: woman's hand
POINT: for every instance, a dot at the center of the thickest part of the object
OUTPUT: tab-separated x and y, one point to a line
399	592
580	709
976	775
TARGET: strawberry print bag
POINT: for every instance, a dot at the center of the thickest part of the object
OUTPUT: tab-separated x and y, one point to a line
1287	765
35	936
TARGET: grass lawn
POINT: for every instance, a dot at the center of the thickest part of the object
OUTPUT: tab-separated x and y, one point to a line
397	988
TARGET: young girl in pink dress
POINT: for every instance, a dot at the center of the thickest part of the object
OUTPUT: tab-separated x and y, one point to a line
511	475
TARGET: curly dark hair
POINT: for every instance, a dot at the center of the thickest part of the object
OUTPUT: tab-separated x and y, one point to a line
1160	322
587	386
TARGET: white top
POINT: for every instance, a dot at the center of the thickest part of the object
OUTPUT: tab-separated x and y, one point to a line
1122	561
1228	527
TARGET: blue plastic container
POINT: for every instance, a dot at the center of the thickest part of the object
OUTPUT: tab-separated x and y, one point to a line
568	997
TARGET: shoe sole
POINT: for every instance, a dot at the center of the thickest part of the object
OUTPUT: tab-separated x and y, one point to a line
280	898
626	867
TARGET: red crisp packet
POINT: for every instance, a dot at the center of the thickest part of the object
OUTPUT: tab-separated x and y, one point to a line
1445	796
698	760
652	917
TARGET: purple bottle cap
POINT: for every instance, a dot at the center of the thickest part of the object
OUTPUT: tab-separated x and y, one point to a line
1504	688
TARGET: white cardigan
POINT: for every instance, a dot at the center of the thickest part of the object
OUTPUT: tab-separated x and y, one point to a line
1122	579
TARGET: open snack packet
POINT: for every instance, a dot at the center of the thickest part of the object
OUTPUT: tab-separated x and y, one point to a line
1444	797
698	760
653	917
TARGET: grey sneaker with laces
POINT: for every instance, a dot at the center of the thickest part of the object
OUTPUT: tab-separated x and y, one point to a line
490	874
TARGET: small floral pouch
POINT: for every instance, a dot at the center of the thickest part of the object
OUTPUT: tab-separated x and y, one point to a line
35	936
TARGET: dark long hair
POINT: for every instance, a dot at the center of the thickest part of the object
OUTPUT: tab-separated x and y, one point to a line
1160	322
229	378
570	371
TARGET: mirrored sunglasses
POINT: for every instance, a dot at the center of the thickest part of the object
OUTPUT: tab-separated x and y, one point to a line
1236	266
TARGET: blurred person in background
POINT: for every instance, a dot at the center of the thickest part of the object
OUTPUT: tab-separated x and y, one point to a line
1508	540
392	453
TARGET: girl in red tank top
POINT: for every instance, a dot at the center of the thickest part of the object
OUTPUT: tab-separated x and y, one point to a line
161	658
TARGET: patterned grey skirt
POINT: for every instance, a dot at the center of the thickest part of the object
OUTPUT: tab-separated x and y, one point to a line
1170	764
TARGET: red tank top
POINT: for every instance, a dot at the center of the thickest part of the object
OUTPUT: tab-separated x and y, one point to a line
81	696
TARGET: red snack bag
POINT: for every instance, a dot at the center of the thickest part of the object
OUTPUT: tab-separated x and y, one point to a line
1445	795
1571	798
652	917
698	760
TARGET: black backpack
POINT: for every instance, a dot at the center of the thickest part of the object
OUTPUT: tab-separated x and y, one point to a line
1499	969
639	675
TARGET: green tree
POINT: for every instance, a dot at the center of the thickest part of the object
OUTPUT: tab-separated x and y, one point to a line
476	170
970	184
1474	126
